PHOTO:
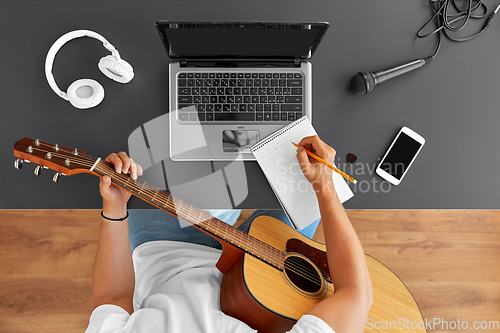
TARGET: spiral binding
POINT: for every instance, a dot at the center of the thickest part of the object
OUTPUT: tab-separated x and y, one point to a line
276	134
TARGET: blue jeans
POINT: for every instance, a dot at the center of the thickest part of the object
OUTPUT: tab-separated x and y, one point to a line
147	225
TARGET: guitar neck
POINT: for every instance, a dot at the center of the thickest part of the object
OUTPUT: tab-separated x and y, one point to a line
196	217
70	161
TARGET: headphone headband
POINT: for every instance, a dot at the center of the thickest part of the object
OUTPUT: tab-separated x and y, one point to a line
49	60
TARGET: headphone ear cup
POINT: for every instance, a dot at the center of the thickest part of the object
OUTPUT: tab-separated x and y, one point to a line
118	70
85	93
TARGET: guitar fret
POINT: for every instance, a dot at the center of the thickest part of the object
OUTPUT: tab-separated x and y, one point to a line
209	225
274	255
178	206
232	238
225	230
141	187
162	197
266	254
246	241
215	225
206	218
241	241
185	209
173	204
273	258
147	191
189	212
166	202
198	218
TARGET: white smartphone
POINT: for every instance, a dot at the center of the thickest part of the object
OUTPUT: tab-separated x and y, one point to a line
400	155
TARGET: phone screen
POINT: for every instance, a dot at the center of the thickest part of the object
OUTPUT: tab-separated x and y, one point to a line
400	156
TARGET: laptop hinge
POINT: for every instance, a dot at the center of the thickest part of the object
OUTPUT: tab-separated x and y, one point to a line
239	62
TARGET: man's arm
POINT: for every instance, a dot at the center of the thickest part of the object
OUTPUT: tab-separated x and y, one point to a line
347	309
114	279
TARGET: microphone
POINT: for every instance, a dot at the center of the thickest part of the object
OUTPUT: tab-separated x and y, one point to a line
364	82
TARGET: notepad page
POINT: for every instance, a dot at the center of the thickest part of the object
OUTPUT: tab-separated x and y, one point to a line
276	156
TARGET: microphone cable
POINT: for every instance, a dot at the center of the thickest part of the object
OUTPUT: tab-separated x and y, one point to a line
445	21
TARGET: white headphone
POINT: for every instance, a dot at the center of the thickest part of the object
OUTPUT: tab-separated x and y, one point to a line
86	93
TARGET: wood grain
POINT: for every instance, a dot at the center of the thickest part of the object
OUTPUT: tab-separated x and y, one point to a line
46	262
449	260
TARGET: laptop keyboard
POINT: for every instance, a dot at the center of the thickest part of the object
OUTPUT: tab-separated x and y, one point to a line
240	96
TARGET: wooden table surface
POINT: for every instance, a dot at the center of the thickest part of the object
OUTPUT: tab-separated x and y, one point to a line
449	260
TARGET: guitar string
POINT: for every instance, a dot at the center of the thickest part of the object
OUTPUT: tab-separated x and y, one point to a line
83	160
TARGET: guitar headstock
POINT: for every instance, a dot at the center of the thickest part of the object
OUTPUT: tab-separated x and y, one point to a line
63	160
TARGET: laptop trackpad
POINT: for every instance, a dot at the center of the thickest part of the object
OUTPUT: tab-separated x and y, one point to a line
234	141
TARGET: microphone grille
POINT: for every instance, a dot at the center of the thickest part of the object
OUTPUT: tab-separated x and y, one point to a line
362	83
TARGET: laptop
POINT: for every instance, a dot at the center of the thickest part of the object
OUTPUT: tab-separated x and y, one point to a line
234	83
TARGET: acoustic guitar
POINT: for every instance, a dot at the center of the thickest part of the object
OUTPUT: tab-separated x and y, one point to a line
272	275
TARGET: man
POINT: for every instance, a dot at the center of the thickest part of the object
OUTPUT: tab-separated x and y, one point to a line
170	283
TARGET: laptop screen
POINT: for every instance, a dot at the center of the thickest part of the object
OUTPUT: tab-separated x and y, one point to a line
256	40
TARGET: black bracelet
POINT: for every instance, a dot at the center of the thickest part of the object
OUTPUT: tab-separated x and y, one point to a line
107	218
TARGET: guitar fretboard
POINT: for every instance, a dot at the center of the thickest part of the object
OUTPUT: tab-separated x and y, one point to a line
195	216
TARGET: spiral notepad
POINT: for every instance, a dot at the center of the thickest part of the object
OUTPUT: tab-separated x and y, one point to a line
277	158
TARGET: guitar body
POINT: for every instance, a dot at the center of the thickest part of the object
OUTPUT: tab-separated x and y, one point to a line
264	296
258	293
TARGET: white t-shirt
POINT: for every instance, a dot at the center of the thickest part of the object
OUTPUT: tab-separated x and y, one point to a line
177	289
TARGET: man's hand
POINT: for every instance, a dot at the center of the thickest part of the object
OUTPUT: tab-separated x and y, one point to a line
319	175
114	198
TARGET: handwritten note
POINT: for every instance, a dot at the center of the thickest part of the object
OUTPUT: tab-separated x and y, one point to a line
277	158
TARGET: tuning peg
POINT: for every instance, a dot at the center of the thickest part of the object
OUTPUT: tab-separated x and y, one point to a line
56	177
37	170
18	164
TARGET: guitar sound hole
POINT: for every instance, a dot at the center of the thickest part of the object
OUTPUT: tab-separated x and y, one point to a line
302	274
